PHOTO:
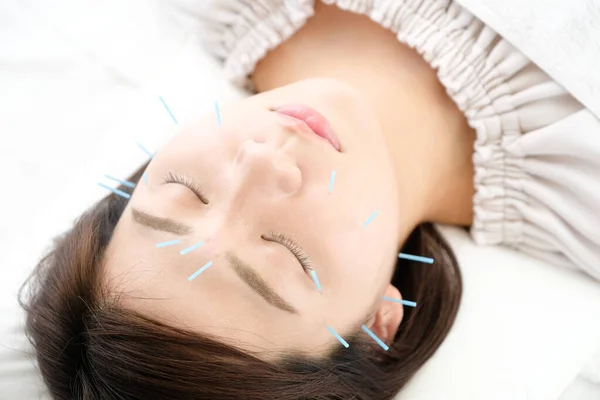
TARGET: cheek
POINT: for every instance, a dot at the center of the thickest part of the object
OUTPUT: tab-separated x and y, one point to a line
360	218
358	259
366	236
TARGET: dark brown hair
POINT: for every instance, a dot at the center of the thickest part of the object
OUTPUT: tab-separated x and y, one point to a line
90	348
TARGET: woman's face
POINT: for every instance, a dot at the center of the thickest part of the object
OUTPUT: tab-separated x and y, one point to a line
261	178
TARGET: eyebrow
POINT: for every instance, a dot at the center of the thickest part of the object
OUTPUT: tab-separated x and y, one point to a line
161	224
256	283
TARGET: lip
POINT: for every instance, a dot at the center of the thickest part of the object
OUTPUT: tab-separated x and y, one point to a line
313	119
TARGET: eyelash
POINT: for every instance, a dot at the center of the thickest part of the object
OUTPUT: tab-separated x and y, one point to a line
171	177
302	257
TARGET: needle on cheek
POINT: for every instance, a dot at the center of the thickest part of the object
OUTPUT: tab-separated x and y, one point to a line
331	181
313	273
338	337
404	302
416	258
371	218
218	113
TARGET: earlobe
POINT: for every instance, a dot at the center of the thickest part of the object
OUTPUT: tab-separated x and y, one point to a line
386	321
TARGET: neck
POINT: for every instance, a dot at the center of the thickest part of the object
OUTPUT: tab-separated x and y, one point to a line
429	139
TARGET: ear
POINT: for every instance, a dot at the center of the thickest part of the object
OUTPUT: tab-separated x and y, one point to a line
389	315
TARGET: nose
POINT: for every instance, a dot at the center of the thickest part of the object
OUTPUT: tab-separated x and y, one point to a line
265	168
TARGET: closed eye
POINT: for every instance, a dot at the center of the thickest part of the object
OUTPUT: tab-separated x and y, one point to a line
298	252
180	179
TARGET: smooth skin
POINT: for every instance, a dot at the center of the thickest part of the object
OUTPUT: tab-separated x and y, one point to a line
406	153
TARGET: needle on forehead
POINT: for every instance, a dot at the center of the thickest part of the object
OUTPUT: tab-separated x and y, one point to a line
122	182
168	110
201	270
192	247
145	150
115	191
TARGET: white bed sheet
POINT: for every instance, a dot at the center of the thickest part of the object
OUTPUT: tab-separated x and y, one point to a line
80	81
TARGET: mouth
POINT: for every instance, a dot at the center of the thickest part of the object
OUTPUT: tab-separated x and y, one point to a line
317	123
